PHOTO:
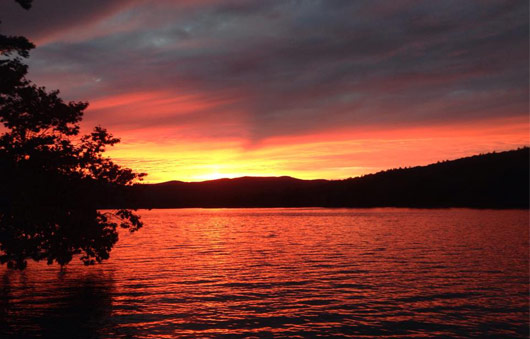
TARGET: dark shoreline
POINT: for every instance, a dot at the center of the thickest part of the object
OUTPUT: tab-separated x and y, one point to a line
486	181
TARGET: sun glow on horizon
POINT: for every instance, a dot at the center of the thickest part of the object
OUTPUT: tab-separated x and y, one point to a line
201	90
326	155
222	171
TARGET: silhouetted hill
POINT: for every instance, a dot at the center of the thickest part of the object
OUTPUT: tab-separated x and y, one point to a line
494	180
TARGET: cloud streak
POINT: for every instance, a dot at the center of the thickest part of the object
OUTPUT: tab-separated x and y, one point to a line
254	71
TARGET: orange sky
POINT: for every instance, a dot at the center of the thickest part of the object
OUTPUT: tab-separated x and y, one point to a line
332	154
207	89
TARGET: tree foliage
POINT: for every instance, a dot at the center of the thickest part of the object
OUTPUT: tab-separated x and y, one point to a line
53	178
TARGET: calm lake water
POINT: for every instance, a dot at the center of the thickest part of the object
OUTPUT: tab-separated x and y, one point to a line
287	273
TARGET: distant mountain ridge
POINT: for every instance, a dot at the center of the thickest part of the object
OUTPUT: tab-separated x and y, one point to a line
493	180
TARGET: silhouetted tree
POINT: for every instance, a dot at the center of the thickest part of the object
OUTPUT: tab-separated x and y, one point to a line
53	179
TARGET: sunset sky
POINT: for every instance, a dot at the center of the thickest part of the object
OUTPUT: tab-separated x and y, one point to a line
329	89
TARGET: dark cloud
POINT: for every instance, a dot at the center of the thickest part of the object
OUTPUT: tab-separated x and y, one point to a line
292	66
50	17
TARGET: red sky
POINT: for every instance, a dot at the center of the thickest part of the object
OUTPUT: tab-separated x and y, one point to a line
311	89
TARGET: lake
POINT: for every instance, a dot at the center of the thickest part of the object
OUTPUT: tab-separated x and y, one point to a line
287	273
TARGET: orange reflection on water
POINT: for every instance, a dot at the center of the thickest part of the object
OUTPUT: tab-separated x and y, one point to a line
289	272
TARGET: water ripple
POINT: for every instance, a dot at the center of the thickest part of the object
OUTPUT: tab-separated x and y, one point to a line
297	273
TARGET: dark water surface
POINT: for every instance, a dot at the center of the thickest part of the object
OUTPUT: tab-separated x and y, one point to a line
287	273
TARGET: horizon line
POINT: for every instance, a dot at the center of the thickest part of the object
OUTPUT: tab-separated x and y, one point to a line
329	179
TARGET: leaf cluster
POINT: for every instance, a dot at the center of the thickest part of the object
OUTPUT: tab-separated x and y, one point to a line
53	177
